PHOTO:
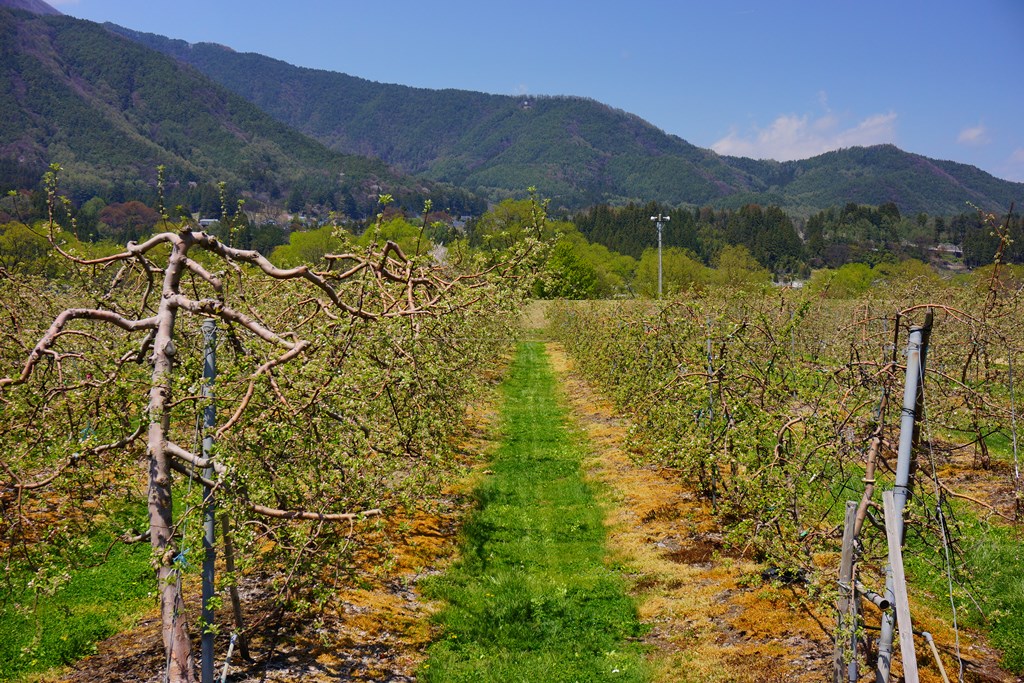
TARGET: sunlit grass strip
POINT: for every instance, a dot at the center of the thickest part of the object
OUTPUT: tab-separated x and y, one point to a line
988	587
42	628
532	598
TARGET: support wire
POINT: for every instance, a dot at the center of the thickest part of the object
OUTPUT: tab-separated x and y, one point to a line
944	529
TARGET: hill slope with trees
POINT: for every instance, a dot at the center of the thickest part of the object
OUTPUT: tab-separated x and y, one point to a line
110	111
577	151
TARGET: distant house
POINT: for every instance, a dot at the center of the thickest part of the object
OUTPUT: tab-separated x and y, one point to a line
947	248
208	222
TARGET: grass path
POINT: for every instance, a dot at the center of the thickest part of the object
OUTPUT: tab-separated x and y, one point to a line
532	597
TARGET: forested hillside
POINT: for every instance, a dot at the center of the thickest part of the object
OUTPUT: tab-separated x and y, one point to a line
878	175
110	111
577	151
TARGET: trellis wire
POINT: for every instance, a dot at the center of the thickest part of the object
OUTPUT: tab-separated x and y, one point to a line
943	529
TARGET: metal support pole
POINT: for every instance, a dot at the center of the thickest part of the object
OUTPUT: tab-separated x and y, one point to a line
901	488
710	419
660	286
871	596
845	667
660	221
209	508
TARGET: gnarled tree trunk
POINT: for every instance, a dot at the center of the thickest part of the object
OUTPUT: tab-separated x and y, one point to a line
180	665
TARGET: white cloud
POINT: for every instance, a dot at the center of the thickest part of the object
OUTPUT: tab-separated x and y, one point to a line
800	137
1013	168
975	135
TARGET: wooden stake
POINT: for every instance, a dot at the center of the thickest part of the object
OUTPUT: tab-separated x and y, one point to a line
901	604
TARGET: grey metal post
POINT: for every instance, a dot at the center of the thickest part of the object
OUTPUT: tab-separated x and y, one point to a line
711	415
846	605
659	221
660	286
711	375
901	489
209	508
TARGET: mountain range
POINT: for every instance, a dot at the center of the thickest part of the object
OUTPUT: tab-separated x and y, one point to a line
110	111
577	151
111	103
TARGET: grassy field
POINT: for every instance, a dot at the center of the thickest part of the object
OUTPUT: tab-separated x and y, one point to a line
532	597
988	586
43	627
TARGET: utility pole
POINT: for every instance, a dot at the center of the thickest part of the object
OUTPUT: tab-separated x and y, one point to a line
660	221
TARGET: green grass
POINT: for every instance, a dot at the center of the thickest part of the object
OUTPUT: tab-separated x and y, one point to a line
1000	445
532	598
990	563
996	557
39	631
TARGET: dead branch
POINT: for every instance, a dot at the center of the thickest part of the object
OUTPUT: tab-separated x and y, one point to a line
982	503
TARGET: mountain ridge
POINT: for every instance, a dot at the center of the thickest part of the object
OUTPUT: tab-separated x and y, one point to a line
111	111
111	114
473	142
576	150
32	6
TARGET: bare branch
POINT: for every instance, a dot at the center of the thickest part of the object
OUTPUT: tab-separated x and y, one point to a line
192	474
215	308
982	503
206	275
74	459
193	459
257	259
266	367
56	329
313	516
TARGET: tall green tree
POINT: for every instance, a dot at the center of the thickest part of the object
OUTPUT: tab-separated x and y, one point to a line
567	275
680	272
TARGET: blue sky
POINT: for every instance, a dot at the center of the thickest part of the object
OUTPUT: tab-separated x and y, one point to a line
783	79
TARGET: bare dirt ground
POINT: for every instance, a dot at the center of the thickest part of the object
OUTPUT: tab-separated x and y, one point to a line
377	631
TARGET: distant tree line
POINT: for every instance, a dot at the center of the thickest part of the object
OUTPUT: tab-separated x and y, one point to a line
784	246
127	212
789	246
